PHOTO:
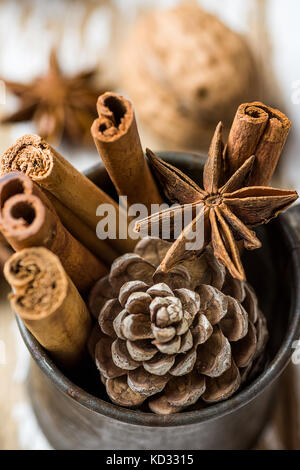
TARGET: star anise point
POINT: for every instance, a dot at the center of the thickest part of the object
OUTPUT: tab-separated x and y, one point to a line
60	105
229	211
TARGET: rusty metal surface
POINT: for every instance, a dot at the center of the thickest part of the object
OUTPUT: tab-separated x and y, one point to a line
73	418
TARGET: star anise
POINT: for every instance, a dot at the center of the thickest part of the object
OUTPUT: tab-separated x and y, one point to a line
229	211
60	106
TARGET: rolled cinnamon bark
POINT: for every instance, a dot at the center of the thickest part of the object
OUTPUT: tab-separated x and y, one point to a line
27	219
257	130
5	253
36	158
17	182
117	140
83	233
49	304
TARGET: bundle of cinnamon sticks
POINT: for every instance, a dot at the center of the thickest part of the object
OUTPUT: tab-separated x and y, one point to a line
48	214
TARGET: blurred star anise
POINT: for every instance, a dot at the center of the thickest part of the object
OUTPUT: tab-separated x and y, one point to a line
229	211
60	106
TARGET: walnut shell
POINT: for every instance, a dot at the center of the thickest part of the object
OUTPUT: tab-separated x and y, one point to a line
185	71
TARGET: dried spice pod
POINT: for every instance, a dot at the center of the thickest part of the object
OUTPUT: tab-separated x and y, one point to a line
49	304
223	214
60	106
170	343
188	96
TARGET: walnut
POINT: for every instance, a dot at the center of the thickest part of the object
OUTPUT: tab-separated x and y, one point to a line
185	71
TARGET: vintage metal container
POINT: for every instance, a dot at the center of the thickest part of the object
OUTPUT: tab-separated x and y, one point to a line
73	417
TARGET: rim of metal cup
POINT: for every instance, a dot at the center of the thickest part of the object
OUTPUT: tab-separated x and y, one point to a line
218	410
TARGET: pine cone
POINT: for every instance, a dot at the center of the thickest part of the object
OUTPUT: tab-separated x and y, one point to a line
174	338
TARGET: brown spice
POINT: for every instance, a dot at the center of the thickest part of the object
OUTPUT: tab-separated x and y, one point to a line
49	304
5	253
229	212
257	130
59	105
84	234
37	159
117	140
28	219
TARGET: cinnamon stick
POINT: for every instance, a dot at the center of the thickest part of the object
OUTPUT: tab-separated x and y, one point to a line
44	165
257	130
28	219
5	253
117	140
84	234
49	304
